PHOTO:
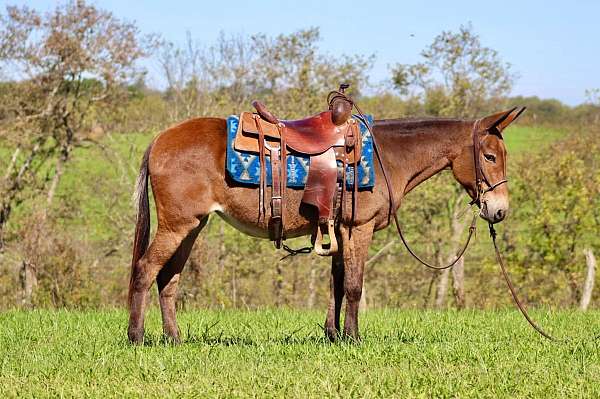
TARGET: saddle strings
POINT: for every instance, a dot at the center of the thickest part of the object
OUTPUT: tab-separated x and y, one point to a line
294	252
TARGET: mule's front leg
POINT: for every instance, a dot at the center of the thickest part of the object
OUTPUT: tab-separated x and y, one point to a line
356	248
336	295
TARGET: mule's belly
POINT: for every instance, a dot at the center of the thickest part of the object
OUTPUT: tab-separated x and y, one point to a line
241	210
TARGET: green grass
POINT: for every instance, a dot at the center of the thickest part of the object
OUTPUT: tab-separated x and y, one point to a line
521	139
281	353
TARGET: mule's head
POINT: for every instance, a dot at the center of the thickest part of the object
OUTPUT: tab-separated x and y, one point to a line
492	192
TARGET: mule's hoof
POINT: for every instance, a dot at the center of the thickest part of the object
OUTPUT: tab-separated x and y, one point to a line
136	336
172	339
332	334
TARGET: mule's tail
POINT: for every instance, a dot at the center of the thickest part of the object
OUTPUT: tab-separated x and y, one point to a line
142	227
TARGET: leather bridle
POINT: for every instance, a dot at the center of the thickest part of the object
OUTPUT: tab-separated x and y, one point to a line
480	175
480	180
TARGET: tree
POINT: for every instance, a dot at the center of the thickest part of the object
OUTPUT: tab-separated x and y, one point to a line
559	196
297	77
64	65
592	105
288	72
458	75
203	81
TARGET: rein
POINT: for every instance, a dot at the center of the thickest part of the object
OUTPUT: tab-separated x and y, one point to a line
480	180
479	177
512	290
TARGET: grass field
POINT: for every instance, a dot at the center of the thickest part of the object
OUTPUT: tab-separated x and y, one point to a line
281	353
522	139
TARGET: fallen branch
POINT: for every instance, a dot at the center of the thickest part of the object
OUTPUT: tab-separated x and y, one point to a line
379	253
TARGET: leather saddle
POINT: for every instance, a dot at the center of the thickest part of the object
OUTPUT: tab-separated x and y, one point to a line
326	138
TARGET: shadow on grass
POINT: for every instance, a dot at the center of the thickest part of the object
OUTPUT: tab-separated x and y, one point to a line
224	340
221	338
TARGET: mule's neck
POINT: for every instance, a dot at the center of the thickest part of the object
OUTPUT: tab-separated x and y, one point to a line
415	150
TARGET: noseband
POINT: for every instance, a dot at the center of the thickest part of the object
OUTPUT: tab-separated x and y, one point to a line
480	176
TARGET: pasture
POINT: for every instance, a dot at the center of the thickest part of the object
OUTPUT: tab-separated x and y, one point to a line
282	353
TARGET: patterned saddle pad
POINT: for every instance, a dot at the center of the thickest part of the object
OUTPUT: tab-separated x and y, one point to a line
244	167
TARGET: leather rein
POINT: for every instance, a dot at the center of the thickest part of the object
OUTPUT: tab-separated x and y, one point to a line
481	181
482	185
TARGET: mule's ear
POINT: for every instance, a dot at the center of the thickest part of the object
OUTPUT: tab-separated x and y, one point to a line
511	118
501	120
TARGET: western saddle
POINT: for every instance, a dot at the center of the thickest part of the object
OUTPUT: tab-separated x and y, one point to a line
326	138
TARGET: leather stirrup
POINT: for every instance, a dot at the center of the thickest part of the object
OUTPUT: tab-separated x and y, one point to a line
327	249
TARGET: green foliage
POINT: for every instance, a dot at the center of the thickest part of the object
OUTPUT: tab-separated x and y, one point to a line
458	75
66	64
295	78
558	193
81	248
283	353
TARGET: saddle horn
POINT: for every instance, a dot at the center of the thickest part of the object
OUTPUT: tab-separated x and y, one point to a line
340	105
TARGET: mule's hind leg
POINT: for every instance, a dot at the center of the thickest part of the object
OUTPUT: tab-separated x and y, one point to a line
356	248
336	295
165	244
168	280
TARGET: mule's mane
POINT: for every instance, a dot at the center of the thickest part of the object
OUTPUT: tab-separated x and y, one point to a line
409	124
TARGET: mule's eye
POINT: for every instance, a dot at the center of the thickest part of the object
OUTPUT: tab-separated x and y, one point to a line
489	157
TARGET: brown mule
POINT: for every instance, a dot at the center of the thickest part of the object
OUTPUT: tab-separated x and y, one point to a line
186	167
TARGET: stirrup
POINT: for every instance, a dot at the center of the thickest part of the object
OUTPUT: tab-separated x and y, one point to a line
327	249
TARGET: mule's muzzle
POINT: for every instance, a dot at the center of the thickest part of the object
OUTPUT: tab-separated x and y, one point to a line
493	212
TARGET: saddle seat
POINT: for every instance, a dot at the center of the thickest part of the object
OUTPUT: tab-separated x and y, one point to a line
314	134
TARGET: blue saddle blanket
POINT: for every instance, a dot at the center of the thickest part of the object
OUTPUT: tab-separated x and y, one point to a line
244	167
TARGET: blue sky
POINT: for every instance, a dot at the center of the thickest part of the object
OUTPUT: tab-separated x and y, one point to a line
554	46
